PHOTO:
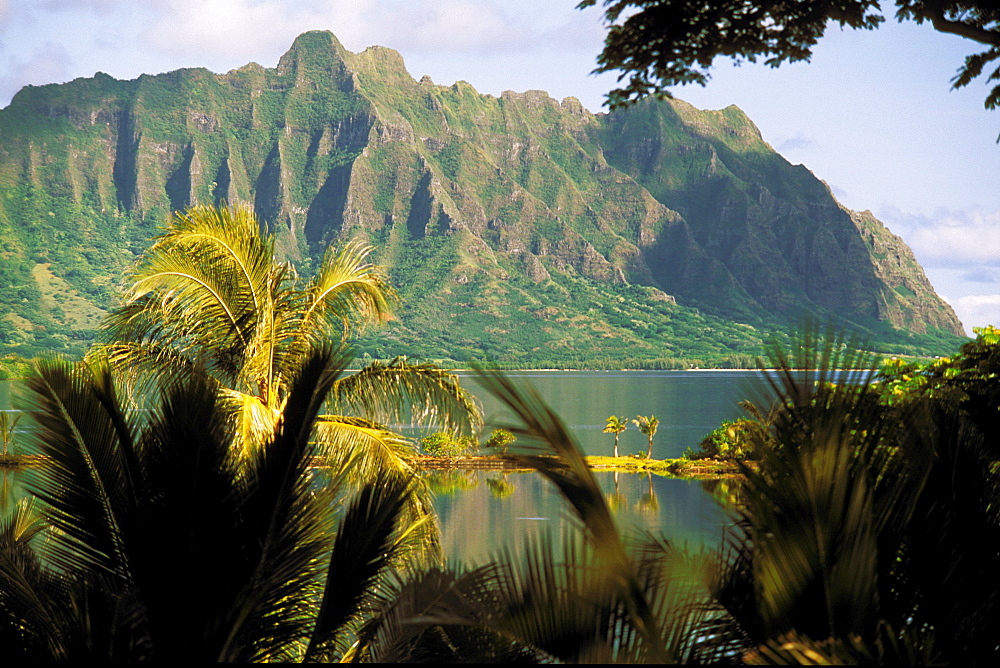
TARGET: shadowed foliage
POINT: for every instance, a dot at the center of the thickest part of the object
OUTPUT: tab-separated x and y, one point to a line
664	43
868	532
161	545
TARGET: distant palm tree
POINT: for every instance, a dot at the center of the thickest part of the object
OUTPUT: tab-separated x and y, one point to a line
8	426
616	425
160	546
601	597
647	426
210	292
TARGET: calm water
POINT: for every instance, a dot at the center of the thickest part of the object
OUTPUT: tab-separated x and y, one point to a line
481	512
689	404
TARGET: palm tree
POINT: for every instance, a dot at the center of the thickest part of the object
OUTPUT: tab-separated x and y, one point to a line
210	292
616	425
863	534
600	598
647	426
161	546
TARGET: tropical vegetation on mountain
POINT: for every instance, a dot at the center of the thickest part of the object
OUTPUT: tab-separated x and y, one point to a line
518	229
664	43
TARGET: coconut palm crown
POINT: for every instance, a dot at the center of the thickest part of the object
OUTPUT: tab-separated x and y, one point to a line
154	544
616	425
211	293
647	425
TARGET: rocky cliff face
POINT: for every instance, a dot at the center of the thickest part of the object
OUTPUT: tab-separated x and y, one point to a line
518	208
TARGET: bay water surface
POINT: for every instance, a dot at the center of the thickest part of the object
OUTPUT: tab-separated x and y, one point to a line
482	512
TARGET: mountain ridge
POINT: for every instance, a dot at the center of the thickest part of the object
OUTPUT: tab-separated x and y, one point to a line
521	208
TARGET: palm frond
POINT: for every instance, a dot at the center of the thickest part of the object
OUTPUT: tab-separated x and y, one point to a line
400	390
440	615
88	484
287	524
360	451
203	281
347	288
364	547
185	541
549	448
253	422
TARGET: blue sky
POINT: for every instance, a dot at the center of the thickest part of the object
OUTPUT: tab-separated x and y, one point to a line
872	113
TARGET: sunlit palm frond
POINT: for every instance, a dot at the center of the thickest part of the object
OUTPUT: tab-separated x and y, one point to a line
22	522
197	297
347	289
226	245
276	346
363	447
288	524
361	450
141	370
203	282
235	234
400	390
252	421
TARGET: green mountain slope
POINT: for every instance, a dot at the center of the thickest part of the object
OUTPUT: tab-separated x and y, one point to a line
517	228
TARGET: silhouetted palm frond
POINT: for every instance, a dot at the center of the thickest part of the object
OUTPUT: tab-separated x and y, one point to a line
166	546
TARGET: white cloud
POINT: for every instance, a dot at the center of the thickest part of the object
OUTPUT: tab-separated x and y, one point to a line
977	310
463	25
239	30
959	238
243	29
950	238
46	65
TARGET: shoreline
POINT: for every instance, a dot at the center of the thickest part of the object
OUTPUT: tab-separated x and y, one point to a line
686	469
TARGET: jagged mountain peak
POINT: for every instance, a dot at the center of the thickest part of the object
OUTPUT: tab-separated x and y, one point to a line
533	214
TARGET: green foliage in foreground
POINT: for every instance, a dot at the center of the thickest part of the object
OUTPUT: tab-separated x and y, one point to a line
156	542
866	533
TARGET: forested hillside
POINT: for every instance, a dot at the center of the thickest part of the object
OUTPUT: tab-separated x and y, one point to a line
518	229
